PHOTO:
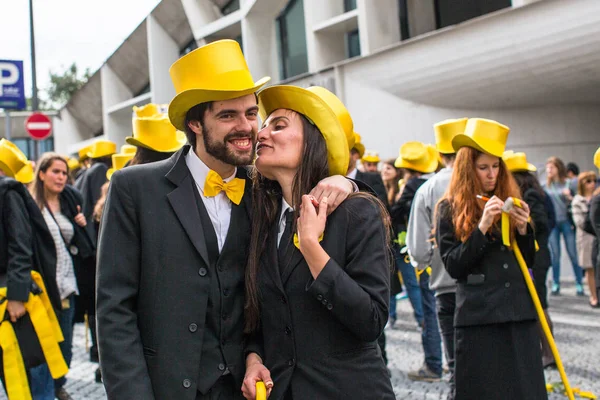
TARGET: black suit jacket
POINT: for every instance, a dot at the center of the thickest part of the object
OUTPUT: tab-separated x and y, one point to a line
90	187
319	337
375	182
153	283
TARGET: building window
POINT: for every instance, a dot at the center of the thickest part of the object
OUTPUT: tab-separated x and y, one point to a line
230	7
352	44
192	45
349	5
240	42
292	40
27	146
451	12
403	15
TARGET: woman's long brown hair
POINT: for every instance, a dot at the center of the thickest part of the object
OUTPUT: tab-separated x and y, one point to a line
560	167
467	209
265	197
37	188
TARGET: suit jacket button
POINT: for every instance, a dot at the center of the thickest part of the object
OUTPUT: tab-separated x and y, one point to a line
187	383
319	297
288	331
283	300
193	328
505	266
507	285
324	302
202	271
330	306
221	367
291	362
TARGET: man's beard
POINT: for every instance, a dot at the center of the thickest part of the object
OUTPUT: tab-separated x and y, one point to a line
221	152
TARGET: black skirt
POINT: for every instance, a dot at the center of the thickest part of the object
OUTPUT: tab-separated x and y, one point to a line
499	361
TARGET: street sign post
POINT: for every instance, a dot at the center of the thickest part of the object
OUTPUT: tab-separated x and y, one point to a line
12	87
38	125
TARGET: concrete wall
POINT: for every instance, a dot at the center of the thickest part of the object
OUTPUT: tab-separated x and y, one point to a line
70	130
163	51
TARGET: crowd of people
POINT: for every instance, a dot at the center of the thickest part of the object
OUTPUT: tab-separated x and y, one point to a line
246	235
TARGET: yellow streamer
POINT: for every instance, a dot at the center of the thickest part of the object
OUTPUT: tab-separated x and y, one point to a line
15	376
261	391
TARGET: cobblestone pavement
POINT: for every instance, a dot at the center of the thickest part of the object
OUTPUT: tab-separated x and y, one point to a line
576	329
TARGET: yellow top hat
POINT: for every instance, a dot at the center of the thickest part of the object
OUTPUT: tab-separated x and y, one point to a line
445	132
153	130
128	149
358	146
26	174
324	110
12	158
371	156
484	135
102	148
118	161
83	152
73	163
417	157
597	158
516	162
217	71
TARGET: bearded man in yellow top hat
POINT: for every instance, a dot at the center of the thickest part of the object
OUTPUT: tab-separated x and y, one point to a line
174	242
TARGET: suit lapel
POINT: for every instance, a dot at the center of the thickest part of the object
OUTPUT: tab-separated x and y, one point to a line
270	262
240	214
183	201
292	259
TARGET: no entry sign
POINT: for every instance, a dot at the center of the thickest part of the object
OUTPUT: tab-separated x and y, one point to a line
38	126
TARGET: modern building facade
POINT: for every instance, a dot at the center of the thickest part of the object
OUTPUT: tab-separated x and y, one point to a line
399	66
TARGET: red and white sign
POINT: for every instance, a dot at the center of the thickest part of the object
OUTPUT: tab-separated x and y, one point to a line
38	125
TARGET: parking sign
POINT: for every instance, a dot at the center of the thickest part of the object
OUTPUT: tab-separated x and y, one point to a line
12	87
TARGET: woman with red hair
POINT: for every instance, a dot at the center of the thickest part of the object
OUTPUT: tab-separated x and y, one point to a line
497	343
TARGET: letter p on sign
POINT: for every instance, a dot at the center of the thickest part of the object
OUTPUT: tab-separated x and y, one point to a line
9	75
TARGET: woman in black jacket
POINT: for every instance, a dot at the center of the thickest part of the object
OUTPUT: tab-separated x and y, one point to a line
317	300
497	342
536	199
61	205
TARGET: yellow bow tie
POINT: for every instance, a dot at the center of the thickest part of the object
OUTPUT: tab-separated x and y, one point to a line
214	185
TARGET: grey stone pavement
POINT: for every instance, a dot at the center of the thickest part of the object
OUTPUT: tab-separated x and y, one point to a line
577	328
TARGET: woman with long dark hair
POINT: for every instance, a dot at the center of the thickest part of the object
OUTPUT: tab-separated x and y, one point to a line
497	342
535	197
61	207
316	300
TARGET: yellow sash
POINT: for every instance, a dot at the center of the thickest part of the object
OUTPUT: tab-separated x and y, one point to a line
49	334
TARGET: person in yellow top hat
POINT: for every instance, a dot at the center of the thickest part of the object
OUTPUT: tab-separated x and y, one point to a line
494	310
372	179
121	159
26	174
436	286
307	135
370	160
356	153
179	229
153	135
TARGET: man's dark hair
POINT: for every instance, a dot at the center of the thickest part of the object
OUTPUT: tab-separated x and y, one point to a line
448	157
195	113
146	156
572	167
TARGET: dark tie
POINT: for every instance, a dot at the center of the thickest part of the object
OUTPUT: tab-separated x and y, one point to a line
286	238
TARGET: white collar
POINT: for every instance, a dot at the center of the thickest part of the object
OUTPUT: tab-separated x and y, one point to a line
200	170
284	207
352	174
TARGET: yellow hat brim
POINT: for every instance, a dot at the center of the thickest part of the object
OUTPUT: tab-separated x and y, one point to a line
360	148
180	141
427	168
597	158
529	168
371	159
25	174
318	111
445	148
490	147
187	99
109	173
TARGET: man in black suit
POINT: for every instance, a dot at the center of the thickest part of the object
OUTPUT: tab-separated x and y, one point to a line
174	243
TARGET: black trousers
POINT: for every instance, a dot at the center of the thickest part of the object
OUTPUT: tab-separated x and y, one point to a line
446	304
224	389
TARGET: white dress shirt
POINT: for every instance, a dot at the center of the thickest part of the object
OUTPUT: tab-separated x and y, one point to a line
284	207
352	174
217	207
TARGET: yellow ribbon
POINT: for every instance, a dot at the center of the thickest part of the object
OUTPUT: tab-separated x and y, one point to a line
214	185
261	391
297	241
48	330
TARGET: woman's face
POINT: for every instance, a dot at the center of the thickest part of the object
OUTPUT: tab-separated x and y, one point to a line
487	168
551	171
280	143
388	172
55	177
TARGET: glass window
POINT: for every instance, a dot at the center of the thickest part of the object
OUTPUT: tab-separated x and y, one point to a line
353	44
452	12
403	11
349	5
27	146
230	7
292	40
23	144
192	45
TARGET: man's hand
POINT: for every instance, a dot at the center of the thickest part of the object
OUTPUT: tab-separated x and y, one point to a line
255	372
335	188
16	309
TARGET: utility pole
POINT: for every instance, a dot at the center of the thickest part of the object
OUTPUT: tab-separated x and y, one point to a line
34	94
